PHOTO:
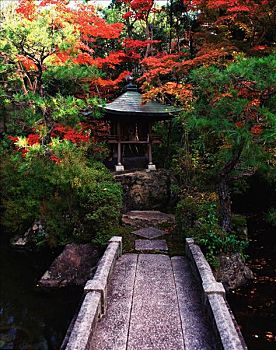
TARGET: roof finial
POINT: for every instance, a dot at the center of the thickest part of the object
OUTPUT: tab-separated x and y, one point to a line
130	86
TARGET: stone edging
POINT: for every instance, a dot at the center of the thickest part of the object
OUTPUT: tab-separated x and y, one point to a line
94	303
214	298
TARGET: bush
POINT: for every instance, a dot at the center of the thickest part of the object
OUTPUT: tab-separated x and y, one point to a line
271	216
75	199
197	217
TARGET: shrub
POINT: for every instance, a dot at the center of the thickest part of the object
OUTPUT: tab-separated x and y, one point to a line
198	217
74	198
271	216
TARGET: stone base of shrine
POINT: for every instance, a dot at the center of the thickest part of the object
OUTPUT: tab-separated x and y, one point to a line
147	190
152	167
119	168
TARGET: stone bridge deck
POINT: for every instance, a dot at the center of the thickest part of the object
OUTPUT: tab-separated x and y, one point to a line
153	303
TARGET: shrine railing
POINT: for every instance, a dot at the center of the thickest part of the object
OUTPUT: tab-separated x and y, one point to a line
114	139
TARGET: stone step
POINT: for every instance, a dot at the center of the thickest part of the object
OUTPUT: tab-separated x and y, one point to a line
151	245
147	218
149	232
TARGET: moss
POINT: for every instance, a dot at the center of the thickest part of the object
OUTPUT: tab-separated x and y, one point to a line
128	237
174	239
176	243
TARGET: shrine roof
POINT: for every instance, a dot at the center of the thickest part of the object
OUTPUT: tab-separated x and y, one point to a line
130	103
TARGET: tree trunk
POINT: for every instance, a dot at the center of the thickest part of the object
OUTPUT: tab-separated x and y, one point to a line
225	203
224	189
171	25
168	143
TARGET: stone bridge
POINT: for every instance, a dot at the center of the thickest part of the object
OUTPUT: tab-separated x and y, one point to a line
153	302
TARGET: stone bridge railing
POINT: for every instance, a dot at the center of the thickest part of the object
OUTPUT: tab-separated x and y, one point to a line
94	303
213	294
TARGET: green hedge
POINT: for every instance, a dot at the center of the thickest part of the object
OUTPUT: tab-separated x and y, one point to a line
76	199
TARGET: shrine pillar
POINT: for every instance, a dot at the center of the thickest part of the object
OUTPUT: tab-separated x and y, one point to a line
151	166
119	166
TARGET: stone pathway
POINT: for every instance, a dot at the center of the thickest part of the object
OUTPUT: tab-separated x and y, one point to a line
151	245
145	218
153	304
145	245
149	232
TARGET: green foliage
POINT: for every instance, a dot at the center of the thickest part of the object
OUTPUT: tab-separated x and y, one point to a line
229	130
198	217
29	111
36	90
239	223
170	133
69	79
36	38
271	216
76	200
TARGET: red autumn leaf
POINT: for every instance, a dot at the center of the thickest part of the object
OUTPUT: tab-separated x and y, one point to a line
27	63
27	8
55	159
256	130
33	139
132	44
239	124
13	138
127	15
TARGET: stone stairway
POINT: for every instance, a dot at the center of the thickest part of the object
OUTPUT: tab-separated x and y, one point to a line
149	243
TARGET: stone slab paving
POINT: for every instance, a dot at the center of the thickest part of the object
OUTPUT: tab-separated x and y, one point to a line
155	323
112	330
151	245
153	304
139	219
197	330
149	232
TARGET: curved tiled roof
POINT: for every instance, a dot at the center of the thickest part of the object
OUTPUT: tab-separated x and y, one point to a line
130	103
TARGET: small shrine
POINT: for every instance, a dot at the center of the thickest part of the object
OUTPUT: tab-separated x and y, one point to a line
131	124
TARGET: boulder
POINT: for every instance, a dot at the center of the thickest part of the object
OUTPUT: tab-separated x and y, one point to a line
74	266
232	271
30	236
146	190
147	218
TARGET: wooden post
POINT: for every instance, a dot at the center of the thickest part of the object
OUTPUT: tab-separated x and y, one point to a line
119	166
151	166
150	152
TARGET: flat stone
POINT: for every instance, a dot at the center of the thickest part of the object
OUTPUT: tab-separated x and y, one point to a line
74	266
149	232
155	322
214	288
153	218
196	328
112	330
147	244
